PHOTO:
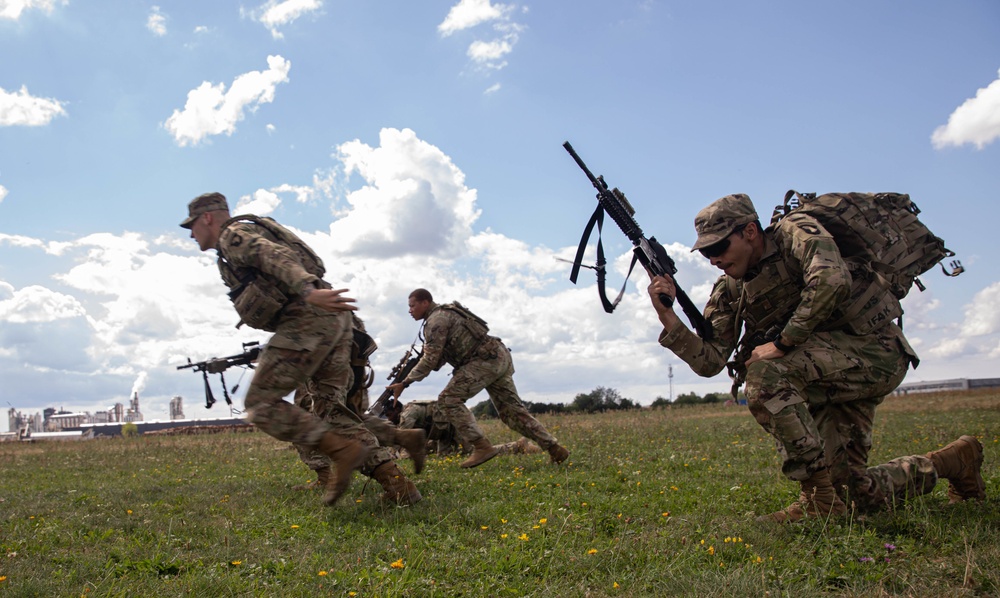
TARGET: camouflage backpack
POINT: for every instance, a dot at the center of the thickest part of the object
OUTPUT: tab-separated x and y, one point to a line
881	229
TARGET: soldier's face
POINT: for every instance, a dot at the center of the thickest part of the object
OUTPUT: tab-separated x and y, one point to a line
201	232
736	259
418	309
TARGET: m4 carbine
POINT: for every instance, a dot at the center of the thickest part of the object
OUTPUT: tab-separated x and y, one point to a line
399	372
218	365
647	252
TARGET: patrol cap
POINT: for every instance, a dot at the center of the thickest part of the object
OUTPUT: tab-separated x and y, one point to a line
721	217
207	202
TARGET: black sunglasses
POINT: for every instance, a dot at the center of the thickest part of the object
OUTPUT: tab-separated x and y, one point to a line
717	249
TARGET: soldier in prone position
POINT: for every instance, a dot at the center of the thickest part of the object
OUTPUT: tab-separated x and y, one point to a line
454	335
816	383
276	285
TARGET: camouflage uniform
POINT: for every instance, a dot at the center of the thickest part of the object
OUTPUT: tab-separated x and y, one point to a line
480	361
357	403
818	401
427	416
441	437
309	344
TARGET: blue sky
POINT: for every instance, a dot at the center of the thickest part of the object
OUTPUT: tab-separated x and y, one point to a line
419	144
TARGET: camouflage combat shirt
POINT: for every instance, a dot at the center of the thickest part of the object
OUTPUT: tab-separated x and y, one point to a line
449	337
245	245
797	249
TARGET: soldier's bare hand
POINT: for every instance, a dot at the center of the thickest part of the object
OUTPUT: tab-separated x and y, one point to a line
331	300
397	389
765	351
665	285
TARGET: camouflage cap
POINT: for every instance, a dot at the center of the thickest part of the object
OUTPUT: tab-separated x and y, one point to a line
721	217
207	202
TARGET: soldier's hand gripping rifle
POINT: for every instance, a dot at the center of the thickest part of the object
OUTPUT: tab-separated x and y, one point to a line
647	252
218	365
398	374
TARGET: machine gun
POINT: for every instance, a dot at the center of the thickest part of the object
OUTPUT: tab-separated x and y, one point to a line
218	365
399	372
647	252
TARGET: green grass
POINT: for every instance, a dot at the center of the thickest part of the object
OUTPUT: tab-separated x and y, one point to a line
654	503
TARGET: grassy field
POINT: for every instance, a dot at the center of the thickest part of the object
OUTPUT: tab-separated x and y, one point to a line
651	503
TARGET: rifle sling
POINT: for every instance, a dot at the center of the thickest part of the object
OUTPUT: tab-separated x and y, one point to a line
598	219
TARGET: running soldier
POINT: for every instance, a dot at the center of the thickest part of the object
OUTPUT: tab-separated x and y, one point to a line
276	285
454	335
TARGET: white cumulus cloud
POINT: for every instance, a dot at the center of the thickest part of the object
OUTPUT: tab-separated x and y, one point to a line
414	200
39	304
211	110
976	121
982	316
157	22
274	14
486	54
469	13
21	108
3	193
12	9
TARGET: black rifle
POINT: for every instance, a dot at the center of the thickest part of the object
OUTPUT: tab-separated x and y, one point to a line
647	252
398	374
218	365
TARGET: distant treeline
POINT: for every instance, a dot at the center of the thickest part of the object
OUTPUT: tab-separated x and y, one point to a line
603	399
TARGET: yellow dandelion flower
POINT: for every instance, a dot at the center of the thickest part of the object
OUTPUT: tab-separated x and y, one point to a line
666	513
616	586
352	593
237	563
503	536
128	511
295	527
711	550
702	542
726	540
523	537
357	501
321	573
502	520
721	564
484	527
535	526
592	551
738	540
398	564
543	521
3	578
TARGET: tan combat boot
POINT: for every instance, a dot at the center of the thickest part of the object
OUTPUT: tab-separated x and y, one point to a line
415	443
398	489
961	463
558	453
817	499
347	455
322	479
484	451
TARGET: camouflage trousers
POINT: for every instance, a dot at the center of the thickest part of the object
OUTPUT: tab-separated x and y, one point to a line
282	370
381	434
427	416
819	402
493	370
